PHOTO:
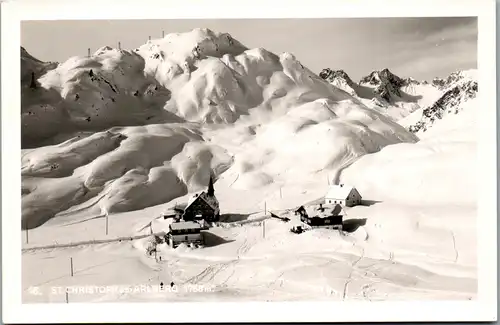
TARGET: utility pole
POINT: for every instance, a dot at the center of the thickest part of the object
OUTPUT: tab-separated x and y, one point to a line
119	45
88	53
281	194
71	265
162	33
67	300
107	222
265	207
263	228
27	231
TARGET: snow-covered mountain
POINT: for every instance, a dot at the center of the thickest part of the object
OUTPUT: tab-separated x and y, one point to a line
30	64
414	104
90	94
383	91
123	126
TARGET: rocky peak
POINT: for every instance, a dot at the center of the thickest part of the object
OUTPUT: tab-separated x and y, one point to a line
452	79
373	78
336	75
438	82
410	81
387	84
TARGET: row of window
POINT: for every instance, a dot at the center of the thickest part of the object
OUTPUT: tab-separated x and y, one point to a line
340	202
185	231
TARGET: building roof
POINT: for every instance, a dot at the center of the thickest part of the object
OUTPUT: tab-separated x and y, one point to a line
211	201
329	210
339	192
185	225
170	212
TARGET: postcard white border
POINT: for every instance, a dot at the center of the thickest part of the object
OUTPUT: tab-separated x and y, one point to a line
484	309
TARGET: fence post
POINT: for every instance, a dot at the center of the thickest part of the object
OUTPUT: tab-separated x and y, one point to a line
67	300
71	266
27	232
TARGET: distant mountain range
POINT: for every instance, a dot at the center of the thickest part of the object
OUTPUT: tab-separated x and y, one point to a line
401	97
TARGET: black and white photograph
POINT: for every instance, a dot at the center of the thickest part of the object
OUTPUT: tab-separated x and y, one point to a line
267	159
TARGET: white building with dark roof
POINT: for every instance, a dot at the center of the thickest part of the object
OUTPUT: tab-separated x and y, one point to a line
187	232
344	195
322	216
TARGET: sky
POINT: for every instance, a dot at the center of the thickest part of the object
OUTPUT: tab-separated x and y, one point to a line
422	48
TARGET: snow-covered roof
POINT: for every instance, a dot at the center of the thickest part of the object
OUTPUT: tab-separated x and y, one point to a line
192	199
339	192
185	225
328	210
170	212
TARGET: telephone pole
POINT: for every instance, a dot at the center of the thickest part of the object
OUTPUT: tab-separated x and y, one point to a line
88	52
27	232
107	222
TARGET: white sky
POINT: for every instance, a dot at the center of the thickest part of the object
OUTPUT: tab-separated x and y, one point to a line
422	48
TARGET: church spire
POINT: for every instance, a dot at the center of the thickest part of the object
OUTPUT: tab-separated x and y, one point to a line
211	191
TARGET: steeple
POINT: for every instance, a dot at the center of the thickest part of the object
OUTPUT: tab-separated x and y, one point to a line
211	191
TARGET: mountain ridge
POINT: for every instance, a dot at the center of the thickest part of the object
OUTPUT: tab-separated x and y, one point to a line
386	91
